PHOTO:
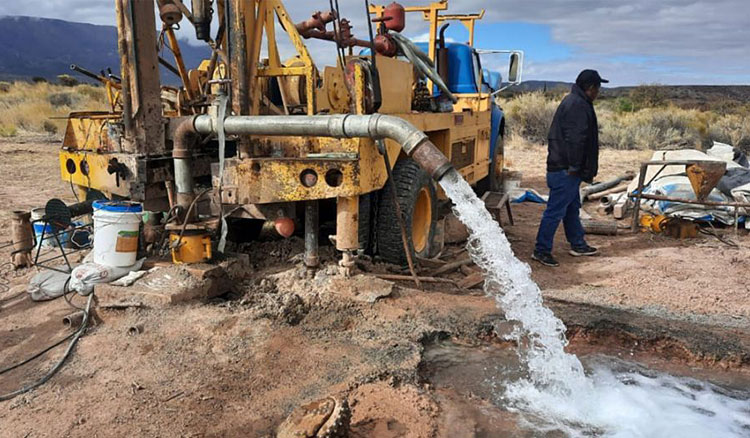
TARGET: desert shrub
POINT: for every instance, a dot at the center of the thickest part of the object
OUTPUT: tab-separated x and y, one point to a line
652	128
49	127
42	107
622	126
5	87
7	130
647	96
39	80
625	105
530	116
62	99
733	129
92	92
67	80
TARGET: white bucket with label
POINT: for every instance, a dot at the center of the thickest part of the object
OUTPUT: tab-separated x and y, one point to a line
116	226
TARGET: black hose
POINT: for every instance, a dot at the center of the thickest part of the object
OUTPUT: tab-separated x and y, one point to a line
37	355
369	31
423	64
75	337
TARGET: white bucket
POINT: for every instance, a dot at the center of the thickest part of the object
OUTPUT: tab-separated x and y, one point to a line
37	214
116	226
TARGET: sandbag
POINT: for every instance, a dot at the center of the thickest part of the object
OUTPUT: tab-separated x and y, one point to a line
47	285
84	277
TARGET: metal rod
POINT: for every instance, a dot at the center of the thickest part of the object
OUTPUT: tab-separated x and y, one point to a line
639	195
690	201
182	71
169	66
312	260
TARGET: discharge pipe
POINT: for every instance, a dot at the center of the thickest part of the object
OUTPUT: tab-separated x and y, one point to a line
414	142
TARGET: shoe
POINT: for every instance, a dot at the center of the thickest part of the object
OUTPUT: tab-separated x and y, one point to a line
585	250
545	258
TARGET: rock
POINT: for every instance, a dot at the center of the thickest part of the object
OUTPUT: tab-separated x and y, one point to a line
371	289
455	231
325	418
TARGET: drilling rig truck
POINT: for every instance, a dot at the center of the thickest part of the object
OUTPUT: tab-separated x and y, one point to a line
253	135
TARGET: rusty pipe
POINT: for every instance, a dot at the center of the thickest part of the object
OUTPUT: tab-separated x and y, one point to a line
317	21
182	154
122	47
414	142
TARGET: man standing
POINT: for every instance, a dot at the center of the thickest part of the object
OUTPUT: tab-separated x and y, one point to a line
573	157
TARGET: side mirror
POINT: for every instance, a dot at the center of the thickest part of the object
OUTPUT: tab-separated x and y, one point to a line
515	68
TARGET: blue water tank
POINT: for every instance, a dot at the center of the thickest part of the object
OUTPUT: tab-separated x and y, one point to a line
461	64
461	76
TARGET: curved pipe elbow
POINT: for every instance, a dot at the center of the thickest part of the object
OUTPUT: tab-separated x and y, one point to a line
415	143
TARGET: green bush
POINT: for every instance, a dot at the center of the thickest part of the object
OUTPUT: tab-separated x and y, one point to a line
625	105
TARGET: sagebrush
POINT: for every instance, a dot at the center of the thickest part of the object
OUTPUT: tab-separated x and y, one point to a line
41	107
623	126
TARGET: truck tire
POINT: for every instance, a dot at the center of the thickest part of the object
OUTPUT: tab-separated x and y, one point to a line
417	197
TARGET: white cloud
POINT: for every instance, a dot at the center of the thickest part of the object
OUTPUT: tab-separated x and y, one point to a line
704	41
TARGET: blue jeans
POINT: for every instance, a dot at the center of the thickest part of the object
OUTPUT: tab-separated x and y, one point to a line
564	205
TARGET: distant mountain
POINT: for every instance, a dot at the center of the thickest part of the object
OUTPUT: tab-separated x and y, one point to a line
46	48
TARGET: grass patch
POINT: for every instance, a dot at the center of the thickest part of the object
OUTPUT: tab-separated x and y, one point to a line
41	107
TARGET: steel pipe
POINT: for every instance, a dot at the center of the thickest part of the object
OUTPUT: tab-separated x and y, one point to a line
312	259
183	175
414	142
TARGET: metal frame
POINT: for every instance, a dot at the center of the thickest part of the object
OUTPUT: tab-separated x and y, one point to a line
56	236
639	195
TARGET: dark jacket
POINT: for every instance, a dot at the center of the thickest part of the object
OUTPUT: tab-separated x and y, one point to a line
574	137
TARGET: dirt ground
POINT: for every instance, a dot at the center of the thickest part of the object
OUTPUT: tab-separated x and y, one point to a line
236	366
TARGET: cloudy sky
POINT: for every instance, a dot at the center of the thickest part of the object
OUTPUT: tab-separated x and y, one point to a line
630	42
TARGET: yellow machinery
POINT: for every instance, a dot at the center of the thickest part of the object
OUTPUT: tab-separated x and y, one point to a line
252	136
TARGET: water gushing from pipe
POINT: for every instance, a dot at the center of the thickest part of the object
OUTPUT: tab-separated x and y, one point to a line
557	395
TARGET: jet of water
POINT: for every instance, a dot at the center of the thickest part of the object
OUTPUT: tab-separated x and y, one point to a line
557	392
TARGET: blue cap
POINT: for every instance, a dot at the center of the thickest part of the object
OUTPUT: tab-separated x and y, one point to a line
119	206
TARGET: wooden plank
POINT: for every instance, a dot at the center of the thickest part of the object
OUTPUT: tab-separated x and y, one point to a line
472	280
395	277
452	266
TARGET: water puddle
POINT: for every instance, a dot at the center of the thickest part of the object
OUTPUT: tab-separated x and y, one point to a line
628	400
554	392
